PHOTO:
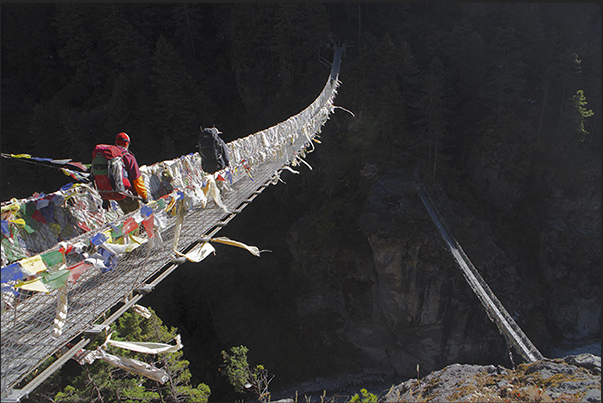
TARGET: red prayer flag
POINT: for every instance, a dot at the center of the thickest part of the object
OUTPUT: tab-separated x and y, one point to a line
38	216
129	225
148	225
77	270
83	226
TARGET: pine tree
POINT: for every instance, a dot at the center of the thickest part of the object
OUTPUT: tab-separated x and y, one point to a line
132	327
187	20
578	115
180	104
78	43
120	41
506	77
100	382
432	111
466	60
567	74
118	107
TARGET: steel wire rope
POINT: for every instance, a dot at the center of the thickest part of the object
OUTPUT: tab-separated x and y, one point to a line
483	292
262	163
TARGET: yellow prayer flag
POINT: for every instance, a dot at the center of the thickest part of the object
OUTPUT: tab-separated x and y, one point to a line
254	250
32	285
198	252
135	242
33	265
107	233
14	206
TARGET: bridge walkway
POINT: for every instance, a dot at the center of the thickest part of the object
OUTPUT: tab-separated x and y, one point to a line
40	324
497	313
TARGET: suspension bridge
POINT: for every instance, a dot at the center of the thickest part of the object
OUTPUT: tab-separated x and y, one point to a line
497	313
71	268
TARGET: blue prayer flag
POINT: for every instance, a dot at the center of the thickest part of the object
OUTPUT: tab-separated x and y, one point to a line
12	272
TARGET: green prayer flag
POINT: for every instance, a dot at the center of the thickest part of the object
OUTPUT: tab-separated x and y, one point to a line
52	258
55	280
117	231
31	225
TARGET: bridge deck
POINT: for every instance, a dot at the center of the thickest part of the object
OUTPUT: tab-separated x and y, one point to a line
27	331
28	327
497	313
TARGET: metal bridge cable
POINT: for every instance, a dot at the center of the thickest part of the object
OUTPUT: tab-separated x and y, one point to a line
29	319
500	317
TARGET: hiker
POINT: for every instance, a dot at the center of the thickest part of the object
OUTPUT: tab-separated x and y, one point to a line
116	173
213	150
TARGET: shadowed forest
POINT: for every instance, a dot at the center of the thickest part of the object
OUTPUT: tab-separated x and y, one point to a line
431	81
442	90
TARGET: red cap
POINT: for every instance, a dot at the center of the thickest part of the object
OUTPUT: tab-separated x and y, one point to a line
122	138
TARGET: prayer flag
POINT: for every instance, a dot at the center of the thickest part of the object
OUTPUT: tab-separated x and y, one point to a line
32	265
32	285
98	239
5	227
55	280
52	258
148	225
129	225
12	272
77	270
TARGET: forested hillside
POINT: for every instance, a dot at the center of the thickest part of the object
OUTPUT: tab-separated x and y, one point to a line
428	81
496	104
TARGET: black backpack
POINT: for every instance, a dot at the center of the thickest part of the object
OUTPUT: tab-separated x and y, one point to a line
212	149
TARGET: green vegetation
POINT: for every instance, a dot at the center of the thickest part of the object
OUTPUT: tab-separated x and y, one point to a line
456	93
364	397
102	382
242	377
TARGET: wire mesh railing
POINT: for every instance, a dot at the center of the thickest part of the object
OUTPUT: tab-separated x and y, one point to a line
64	270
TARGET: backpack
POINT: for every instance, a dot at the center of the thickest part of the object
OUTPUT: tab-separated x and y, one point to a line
109	171
212	150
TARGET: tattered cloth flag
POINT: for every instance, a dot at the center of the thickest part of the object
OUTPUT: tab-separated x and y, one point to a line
128	364
198	252
254	250
66	166
146	347
61	313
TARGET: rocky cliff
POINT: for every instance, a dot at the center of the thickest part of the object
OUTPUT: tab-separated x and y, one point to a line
359	283
571	379
389	287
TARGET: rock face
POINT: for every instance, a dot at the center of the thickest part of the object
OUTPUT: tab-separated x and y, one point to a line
391	292
367	286
572	379
564	217
394	292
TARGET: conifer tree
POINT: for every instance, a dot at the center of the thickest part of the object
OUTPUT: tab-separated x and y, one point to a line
578	115
187	20
466	60
101	382
118	108
567	74
120	41
432	111
389	103
180	104
78	43
506	76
